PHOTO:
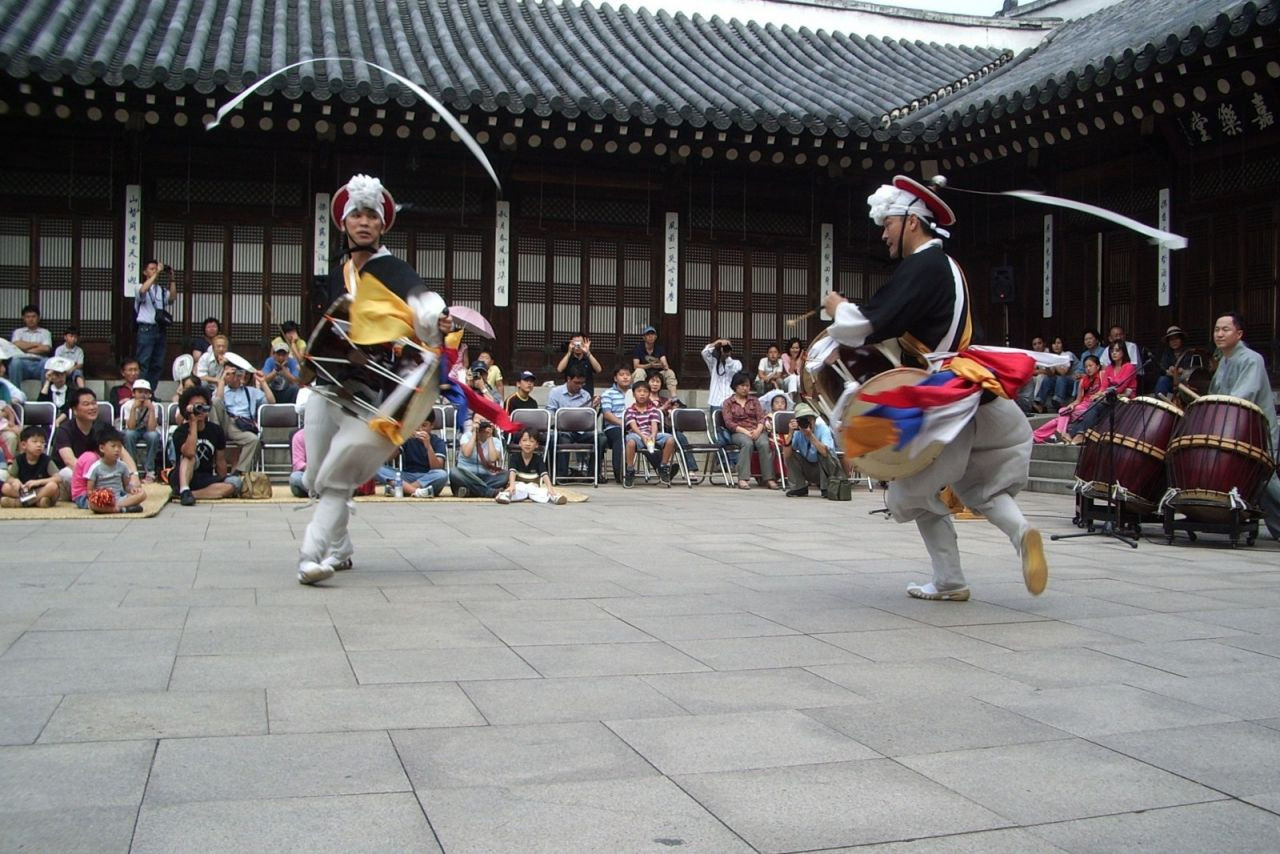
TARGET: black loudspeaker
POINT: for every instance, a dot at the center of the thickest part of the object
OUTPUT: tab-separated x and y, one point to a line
1002	290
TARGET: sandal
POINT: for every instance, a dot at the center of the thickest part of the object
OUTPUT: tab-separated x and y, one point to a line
742	484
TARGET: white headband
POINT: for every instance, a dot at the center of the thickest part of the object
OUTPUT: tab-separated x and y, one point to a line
364	193
890	201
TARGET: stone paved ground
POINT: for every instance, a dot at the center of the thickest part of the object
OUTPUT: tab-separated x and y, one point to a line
703	670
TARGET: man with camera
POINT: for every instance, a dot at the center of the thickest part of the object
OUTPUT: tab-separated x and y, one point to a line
810	456
480	472
153	305
235	409
202	453
578	355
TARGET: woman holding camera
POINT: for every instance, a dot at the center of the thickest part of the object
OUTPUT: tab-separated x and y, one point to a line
153	304
480	472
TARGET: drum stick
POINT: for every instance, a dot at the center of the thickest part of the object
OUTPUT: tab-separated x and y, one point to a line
802	317
1188	391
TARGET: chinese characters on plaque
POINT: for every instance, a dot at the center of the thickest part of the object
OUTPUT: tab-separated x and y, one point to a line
502	254
1162	274
1047	307
671	264
320	258
132	239
1247	115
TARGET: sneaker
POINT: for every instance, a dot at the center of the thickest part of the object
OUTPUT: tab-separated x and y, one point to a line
338	565
502	497
559	500
664	476
150	478
798	492
932	593
187	499
460	492
310	572
629	479
424	492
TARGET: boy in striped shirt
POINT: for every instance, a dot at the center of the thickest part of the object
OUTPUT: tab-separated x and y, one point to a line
644	428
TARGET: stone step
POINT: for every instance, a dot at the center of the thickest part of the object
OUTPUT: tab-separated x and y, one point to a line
1056	469
1053	485
1056	452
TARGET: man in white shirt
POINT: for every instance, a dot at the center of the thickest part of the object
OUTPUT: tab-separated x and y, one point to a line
36	344
235	409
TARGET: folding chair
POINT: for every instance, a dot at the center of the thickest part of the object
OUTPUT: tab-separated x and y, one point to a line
276	417
447	425
692	424
780	422
576	419
106	413
538	420
40	413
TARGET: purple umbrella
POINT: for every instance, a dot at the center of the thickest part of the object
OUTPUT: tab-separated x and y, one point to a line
469	318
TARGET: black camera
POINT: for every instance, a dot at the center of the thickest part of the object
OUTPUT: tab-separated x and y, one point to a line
483	425
805	421
199	409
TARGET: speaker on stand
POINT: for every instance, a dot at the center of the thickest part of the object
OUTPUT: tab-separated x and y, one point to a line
1003	293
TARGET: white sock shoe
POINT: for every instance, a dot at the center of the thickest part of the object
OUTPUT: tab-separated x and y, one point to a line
310	572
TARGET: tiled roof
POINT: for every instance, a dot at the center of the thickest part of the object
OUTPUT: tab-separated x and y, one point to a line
1107	47
542	58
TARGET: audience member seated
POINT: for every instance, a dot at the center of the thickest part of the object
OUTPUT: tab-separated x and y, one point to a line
297	344
423	471
70	350
810	455
9	427
666	404
201	344
577	353
140	420
77	437
527	477
201	472
494	375
1120	375
280	371
1117	333
744	420
33	477
771	374
130	370
480	471
522	398
210	365
1056	430
478	379
36	344
110	473
297	463
9	392
1175	359
1063	387
793	364
1029	394
55	387
235	409
572	393
650	357
613	408
645	435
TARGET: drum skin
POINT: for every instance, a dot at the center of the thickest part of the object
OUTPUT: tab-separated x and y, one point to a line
888	464
1221	444
825	385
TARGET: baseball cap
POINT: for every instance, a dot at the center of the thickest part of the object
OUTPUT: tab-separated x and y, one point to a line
278	345
478	367
143	384
647	330
528	375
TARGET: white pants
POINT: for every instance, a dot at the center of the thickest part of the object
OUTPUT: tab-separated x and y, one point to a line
522	491
342	453
986	465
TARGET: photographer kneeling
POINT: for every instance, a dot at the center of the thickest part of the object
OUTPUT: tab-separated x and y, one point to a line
811	456
202	453
480	472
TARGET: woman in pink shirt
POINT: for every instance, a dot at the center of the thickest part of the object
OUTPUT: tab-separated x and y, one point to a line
1122	377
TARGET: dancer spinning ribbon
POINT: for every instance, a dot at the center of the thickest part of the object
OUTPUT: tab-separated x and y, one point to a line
925	305
352	428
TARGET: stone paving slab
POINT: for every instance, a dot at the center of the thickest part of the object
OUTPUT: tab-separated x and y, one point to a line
497	679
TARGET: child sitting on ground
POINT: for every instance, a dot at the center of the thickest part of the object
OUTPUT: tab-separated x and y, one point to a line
33	477
110	475
528	476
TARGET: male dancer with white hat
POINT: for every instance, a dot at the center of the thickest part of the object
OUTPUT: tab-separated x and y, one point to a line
925	306
389	303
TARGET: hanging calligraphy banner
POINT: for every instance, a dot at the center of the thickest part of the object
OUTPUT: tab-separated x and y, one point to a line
671	265
320	236
502	254
132	239
1046	309
1162	256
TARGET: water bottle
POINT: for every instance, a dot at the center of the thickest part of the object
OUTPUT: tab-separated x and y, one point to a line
399	486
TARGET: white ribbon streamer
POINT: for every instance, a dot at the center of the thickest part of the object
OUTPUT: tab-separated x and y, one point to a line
467	139
1166	239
